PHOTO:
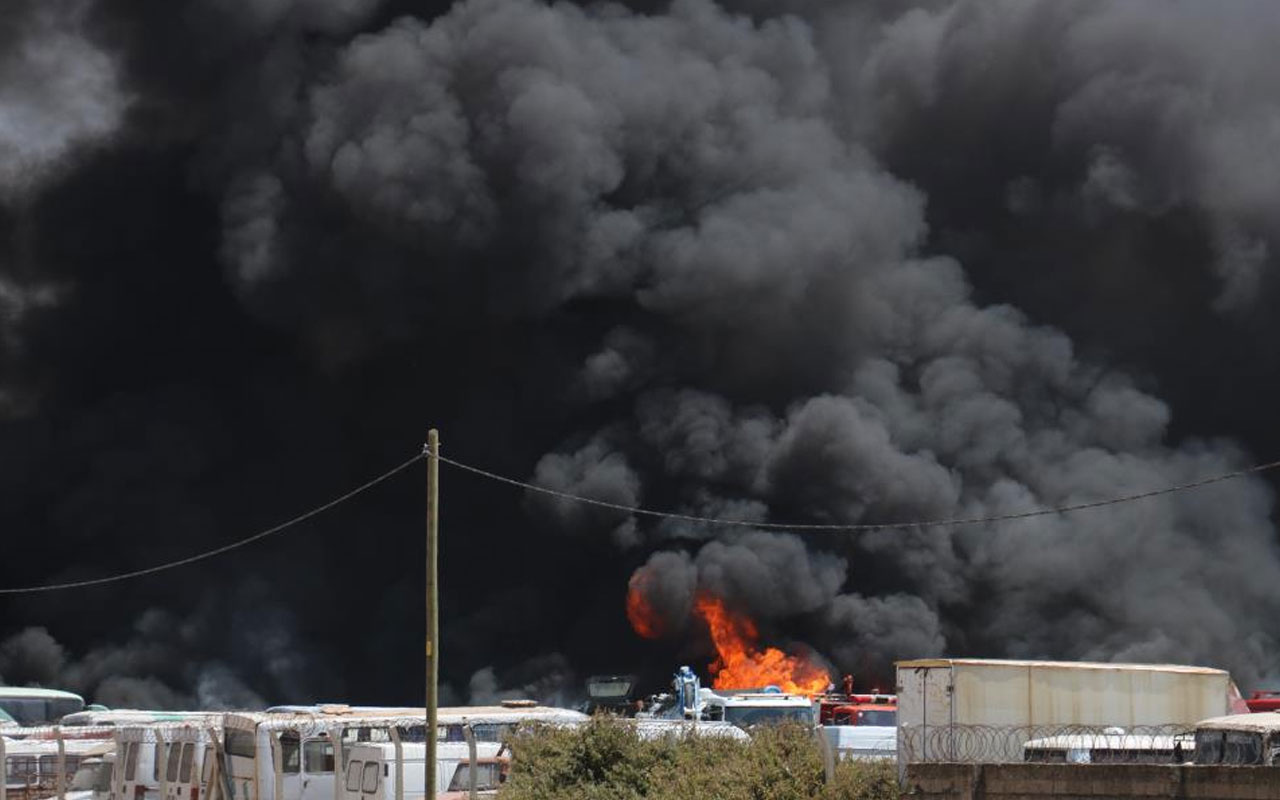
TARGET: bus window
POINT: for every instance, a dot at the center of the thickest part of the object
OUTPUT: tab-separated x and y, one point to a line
487	777
171	768
290	752
240	743
130	761
317	757
184	768
370	784
1242	747
156	760
207	769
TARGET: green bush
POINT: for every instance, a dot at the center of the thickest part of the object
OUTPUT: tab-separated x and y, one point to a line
606	760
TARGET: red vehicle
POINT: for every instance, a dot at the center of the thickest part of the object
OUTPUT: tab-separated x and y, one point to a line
1266	700
850	708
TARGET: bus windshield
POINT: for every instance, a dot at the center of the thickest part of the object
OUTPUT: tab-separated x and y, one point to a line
38	710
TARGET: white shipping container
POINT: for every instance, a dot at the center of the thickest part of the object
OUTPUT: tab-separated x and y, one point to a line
953	708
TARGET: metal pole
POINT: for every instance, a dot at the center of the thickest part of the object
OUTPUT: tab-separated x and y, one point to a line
395	738
470	736
62	766
4	772
433	631
162	759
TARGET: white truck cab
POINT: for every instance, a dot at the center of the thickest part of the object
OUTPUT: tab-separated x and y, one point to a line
763	707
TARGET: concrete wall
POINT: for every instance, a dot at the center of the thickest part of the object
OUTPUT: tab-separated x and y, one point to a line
1088	782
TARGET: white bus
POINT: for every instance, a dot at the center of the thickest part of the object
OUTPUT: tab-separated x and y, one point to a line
32	707
1239	739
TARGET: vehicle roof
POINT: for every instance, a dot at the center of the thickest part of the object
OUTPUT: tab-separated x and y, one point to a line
7	692
925	663
1260	721
1107	741
74	747
122	716
334	716
762	699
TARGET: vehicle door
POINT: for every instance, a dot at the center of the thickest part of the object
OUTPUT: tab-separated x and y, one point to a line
290	751
207	755
179	787
317	769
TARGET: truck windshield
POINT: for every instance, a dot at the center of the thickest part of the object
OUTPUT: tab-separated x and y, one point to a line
878	716
745	716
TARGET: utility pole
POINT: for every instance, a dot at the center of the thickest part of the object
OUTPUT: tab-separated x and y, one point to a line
433	630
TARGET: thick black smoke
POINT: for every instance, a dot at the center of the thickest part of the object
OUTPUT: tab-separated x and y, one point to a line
837	262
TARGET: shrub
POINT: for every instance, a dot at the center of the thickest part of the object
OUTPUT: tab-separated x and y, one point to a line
606	760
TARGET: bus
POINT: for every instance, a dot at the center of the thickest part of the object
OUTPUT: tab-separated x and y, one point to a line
1239	739
32	707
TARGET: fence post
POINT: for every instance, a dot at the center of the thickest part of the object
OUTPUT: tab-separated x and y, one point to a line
399	745
223	763
828	756
4	768
277	764
61	778
470	736
339	764
162	763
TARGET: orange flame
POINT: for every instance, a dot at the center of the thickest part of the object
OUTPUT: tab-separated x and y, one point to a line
644	620
740	665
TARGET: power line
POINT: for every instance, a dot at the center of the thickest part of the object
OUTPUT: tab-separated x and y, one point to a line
863	526
182	562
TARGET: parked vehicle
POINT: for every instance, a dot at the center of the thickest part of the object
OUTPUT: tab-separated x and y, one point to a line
1113	746
1239	739
92	780
32	707
1265	700
373	771
31	766
862	742
291	754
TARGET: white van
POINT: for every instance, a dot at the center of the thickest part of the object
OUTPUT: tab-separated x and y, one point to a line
373	772
290	754
167	761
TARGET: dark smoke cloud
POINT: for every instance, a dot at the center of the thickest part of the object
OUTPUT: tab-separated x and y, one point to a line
826	262
61	92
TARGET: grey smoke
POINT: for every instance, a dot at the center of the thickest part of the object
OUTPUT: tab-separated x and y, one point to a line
547	679
714	174
59	90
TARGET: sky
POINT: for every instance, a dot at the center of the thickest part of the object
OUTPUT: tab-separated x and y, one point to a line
822	262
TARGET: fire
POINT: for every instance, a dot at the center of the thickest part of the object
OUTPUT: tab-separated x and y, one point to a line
740	664
644	620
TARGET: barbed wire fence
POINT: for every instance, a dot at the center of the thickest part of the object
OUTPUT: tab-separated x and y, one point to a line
996	744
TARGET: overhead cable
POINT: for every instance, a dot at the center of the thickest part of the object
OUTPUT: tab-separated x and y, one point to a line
839	527
182	562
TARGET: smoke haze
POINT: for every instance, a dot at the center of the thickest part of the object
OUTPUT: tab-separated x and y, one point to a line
817	262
